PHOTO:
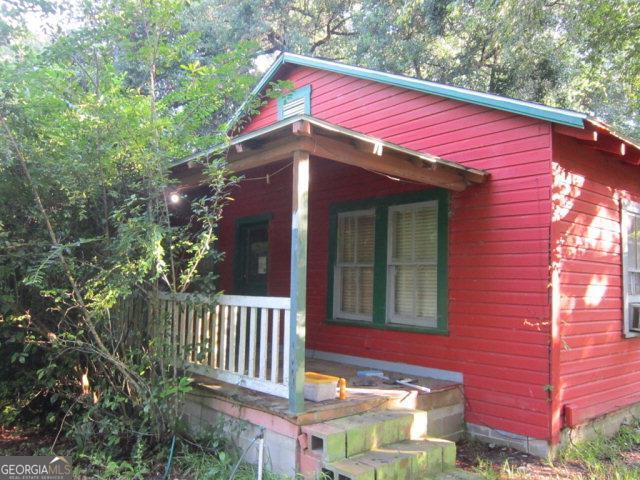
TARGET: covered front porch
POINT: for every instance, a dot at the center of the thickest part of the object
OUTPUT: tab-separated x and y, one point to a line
259	341
329	438
235	345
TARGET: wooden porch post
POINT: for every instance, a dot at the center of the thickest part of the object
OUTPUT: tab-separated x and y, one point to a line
298	291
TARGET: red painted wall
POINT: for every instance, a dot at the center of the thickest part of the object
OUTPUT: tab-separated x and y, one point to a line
597	367
499	306
255	196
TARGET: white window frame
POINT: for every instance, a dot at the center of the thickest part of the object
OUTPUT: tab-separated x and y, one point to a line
337	276
629	209
392	317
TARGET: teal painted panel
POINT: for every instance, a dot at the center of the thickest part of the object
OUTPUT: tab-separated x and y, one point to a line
302	92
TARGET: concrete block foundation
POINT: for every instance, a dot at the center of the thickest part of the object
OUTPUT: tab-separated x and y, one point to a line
534	446
280	441
603	426
378	430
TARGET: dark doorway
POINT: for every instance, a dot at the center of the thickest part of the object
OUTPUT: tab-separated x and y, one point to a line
252	257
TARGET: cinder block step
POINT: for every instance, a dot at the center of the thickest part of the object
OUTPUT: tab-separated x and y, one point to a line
445	411
407	460
326	442
349	436
366	431
355	468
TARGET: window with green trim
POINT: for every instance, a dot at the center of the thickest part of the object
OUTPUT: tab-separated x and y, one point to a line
388	262
354	265
631	267
412	264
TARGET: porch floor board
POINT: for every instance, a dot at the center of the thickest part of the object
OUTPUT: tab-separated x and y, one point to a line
362	395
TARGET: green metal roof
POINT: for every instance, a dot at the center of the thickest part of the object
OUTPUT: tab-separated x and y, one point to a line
530	109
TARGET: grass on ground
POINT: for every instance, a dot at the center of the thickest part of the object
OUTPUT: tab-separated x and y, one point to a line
197	464
616	458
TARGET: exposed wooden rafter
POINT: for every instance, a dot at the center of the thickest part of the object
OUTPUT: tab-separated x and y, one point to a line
271	152
610	145
327	141
577	133
602	140
616	147
343	152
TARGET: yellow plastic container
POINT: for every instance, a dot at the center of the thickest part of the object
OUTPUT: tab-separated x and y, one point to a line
319	387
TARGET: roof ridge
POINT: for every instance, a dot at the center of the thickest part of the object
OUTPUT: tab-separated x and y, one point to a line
436	84
521	107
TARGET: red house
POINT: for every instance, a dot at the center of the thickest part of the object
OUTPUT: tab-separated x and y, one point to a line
482	244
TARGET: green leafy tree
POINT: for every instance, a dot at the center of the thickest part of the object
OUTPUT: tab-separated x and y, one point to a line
572	54
89	126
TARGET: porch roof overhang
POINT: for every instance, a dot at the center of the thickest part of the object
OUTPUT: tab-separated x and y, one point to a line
326	140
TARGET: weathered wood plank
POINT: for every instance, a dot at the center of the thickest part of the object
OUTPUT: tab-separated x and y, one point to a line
199	336
206	319
299	229
233	326
242	354
257	301
253	332
215	337
275	344
189	349
264	343
286	342
243	342
182	309
224	310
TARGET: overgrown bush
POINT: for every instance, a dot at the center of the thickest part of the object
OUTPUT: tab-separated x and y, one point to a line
89	126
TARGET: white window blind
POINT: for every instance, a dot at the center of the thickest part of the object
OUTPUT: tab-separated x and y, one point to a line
412	280
353	282
631	266
293	107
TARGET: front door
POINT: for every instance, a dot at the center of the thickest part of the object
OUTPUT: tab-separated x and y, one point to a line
252	258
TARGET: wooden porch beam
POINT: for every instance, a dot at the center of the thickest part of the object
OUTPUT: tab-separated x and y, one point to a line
302	128
370	157
277	150
392	164
298	289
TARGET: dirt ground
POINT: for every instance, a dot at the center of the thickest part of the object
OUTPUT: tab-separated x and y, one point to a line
519	463
14	441
507	463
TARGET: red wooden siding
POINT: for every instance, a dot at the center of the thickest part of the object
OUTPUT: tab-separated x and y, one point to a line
499	306
597	367
254	197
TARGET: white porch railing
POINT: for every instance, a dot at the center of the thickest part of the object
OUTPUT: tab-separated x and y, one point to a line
239	339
